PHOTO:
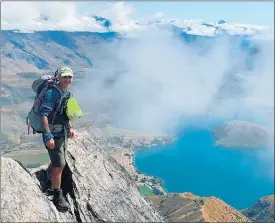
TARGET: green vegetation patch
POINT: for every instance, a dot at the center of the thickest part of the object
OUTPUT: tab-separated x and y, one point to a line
146	191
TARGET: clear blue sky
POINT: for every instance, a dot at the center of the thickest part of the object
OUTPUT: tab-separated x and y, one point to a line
261	13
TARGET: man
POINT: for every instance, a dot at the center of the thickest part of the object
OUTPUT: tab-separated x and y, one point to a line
56	141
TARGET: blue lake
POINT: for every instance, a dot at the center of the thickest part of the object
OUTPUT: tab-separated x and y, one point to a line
193	164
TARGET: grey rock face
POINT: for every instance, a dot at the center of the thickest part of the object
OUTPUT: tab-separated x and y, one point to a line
103	190
22	199
97	188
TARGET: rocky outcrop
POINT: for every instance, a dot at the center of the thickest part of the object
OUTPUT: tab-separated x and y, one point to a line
22	199
242	134
262	211
97	188
187	207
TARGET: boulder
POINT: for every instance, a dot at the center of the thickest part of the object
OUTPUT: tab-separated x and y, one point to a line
22	199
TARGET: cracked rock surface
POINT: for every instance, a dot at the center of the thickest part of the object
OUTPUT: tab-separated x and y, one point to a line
97	187
22	199
103	190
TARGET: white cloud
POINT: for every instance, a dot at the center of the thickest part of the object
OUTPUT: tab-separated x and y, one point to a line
25	16
72	16
165	79
118	12
120	15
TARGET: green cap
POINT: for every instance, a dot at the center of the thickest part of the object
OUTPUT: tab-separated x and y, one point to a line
65	71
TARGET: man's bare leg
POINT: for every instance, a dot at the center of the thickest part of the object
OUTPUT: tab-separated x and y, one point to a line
56	177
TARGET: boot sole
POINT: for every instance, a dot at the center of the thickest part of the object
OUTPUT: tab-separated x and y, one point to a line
48	193
62	209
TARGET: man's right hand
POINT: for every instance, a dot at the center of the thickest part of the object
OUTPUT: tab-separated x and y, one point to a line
50	144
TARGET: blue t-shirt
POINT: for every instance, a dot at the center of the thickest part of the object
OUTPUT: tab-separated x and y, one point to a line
50	101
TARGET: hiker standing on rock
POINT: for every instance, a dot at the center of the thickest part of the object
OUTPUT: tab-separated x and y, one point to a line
55	140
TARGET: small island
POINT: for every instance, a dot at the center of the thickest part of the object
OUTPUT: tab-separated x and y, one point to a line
242	134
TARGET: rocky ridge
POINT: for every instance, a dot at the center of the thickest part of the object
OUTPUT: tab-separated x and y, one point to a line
97	187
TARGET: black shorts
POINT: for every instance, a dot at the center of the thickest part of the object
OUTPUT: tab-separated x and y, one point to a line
58	154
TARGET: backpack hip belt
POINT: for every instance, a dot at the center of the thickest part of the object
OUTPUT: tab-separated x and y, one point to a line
56	127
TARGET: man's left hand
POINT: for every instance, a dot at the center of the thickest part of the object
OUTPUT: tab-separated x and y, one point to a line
71	133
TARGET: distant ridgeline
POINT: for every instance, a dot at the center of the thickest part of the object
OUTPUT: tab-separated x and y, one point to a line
71	48
78	48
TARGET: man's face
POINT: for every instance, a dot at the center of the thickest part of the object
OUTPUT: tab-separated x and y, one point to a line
65	81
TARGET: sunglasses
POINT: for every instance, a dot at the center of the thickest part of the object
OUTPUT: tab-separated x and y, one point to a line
70	77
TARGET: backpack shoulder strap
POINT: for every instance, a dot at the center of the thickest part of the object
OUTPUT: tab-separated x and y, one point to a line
60	104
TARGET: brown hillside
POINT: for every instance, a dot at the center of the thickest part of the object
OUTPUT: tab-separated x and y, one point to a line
187	207
216	210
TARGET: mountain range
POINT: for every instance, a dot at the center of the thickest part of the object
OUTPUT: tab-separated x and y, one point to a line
26	55
43	50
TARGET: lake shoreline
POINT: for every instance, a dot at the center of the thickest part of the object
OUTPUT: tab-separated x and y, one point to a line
226	172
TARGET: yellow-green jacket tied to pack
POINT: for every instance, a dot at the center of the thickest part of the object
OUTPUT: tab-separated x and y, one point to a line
73	110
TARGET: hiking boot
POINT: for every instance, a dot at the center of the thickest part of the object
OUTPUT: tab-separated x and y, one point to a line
48	190
59	201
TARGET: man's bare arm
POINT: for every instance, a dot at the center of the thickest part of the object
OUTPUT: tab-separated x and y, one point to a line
70	124
45	123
